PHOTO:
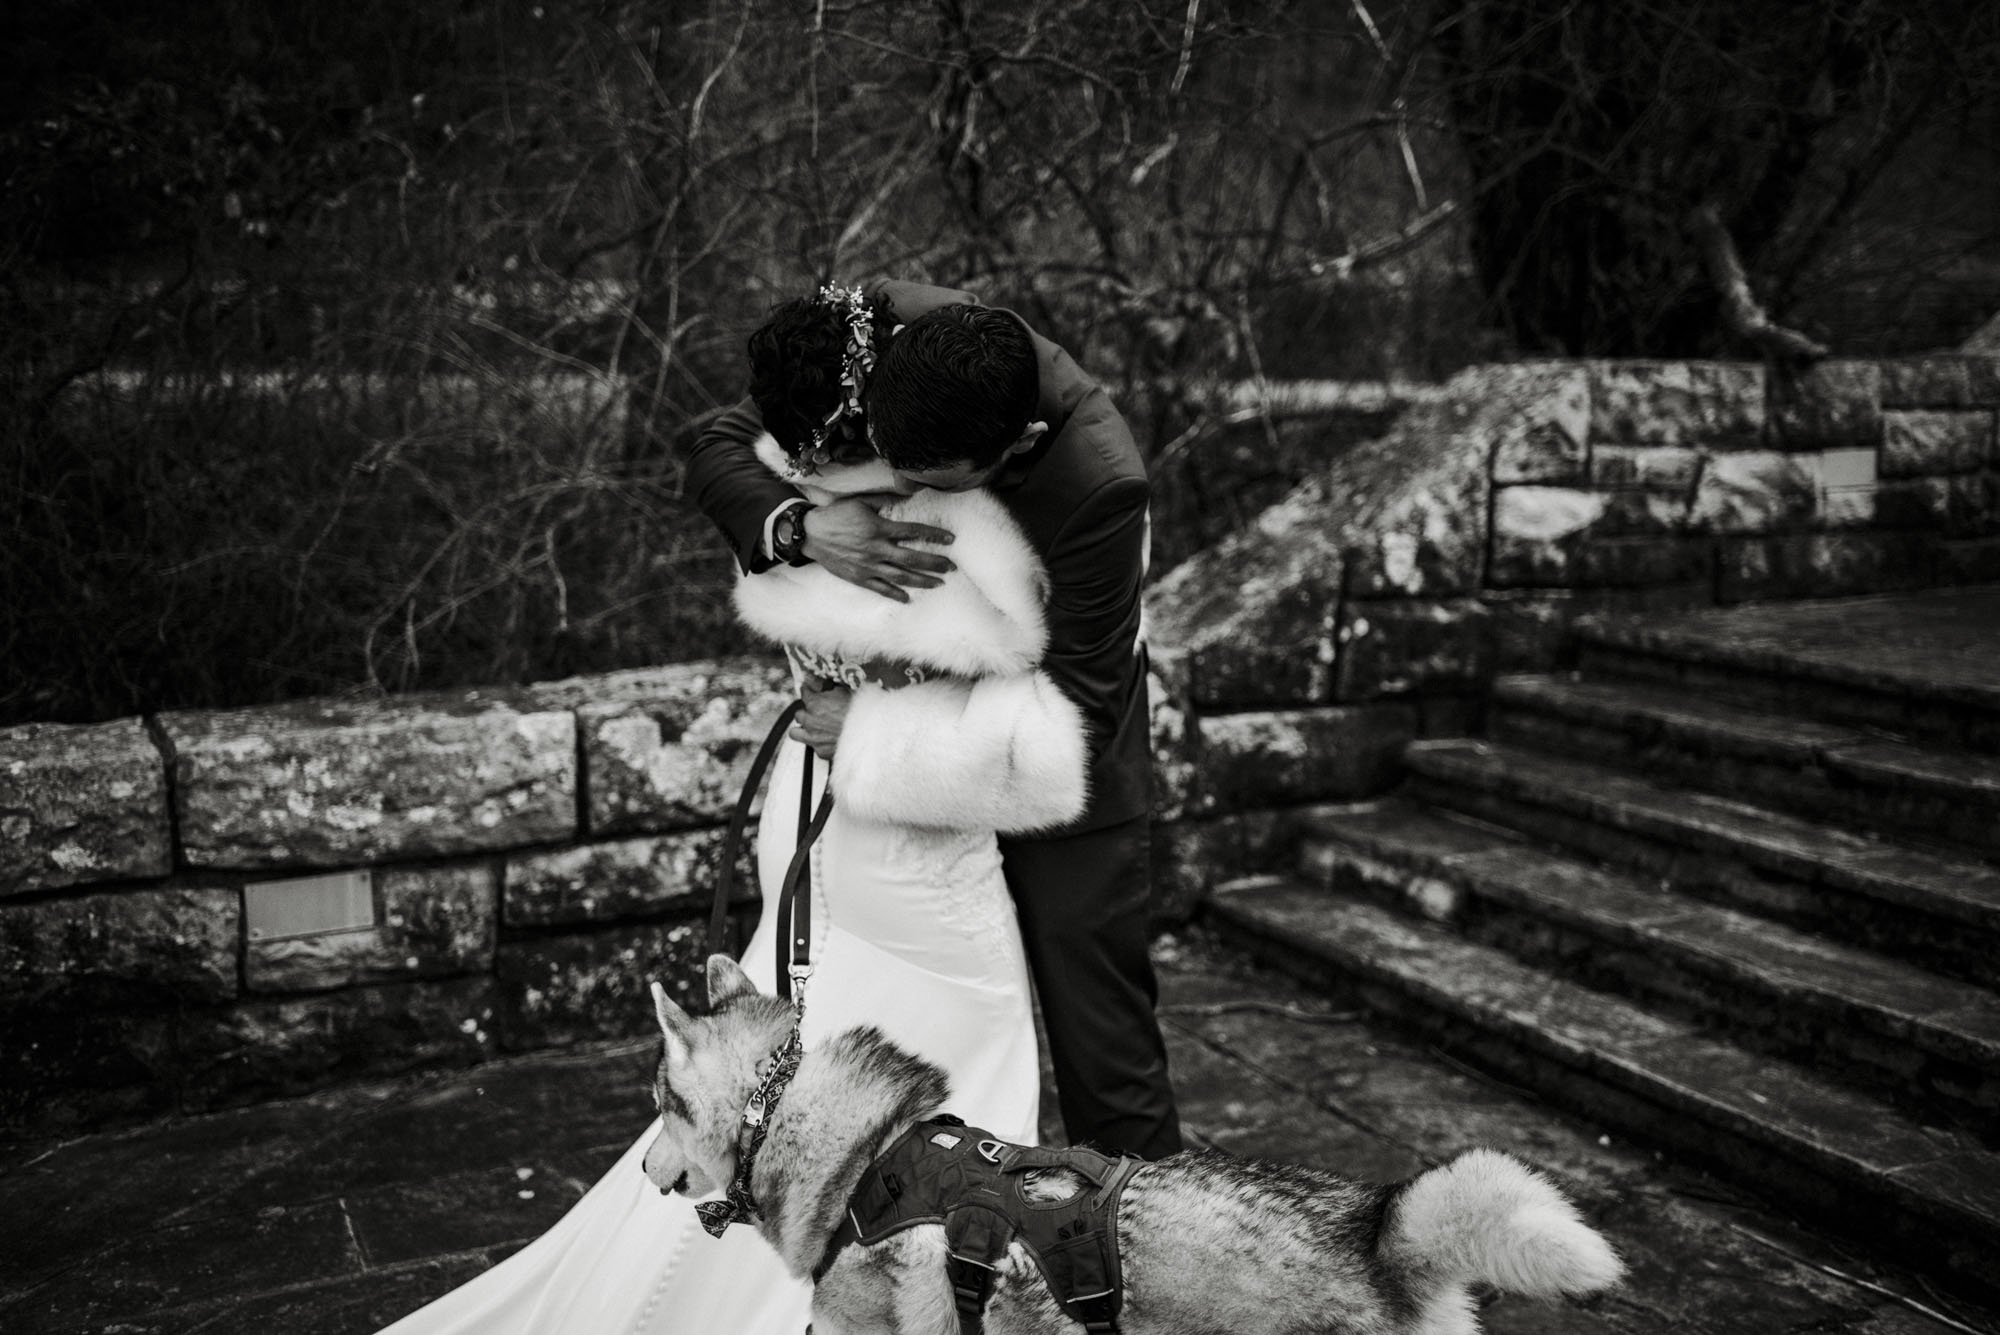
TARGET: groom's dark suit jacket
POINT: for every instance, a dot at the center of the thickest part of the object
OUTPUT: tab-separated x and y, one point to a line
1081	496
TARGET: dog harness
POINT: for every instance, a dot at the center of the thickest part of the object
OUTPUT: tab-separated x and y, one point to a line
942	1171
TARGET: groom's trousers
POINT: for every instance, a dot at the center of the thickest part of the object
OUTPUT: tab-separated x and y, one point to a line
1082	901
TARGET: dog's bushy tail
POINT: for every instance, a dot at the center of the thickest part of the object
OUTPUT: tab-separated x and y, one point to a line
1486	1216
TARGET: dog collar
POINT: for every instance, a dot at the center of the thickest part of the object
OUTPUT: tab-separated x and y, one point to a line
737	1205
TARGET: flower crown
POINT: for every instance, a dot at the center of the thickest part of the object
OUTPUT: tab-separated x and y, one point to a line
857	361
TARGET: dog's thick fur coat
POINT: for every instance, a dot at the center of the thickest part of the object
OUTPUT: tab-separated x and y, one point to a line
1209	1242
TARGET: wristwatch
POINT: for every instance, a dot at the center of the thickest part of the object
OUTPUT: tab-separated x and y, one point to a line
788	535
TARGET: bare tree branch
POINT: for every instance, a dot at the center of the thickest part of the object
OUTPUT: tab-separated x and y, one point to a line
1741	310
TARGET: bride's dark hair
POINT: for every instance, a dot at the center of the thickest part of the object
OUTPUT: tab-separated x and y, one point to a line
797	357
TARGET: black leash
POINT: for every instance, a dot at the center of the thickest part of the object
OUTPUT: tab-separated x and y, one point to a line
739	820
794	936
794	943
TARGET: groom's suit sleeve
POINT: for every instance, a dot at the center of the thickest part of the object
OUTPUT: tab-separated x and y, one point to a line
732	488
1096	570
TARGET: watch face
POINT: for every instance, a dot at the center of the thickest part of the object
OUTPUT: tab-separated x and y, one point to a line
790	534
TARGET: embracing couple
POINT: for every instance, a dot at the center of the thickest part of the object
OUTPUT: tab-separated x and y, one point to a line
944	523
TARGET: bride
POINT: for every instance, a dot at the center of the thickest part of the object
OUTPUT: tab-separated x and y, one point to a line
950	735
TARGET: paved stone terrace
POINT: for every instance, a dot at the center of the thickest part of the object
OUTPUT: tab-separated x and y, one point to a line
334	1214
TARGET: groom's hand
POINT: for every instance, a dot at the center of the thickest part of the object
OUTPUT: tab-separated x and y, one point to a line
824	713
850	538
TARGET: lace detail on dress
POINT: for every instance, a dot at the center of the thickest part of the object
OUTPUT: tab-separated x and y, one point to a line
889	672
964	868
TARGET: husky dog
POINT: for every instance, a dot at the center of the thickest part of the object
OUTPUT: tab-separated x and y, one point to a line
1208	1242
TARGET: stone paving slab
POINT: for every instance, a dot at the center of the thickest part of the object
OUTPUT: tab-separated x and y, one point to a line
337	1213
365	1303
274	1247
463	1212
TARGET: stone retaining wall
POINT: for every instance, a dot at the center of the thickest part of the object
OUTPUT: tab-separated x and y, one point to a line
1377	602
536	855
533	857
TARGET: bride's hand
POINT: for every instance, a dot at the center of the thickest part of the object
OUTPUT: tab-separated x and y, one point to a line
858	545
824	713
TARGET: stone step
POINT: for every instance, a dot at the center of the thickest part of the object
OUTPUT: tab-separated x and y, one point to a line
1937	910
1928	1195
1928	1042
1828	770
1917	665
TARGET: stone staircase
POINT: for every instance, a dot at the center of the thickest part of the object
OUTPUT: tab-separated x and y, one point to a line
1730	888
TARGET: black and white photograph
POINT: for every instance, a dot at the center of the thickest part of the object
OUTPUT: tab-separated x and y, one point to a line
1000	667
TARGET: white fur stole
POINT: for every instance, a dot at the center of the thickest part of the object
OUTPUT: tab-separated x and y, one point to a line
994	744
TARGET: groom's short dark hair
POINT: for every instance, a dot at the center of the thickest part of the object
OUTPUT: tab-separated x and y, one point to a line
956	385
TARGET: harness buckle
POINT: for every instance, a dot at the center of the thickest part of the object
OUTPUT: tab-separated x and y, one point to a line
972	1285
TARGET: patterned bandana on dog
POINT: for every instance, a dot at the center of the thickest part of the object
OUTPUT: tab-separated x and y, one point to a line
737	1205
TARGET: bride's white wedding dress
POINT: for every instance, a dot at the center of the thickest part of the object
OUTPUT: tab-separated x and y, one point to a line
952	735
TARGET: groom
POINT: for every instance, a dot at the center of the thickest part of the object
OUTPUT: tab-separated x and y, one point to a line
967	396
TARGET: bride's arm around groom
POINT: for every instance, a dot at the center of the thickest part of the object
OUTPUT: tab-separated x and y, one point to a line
949	721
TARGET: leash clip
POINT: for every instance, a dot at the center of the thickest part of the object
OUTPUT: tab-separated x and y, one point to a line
989	1150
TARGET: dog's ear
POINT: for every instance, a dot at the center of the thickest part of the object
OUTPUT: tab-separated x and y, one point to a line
726	979
673	1025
